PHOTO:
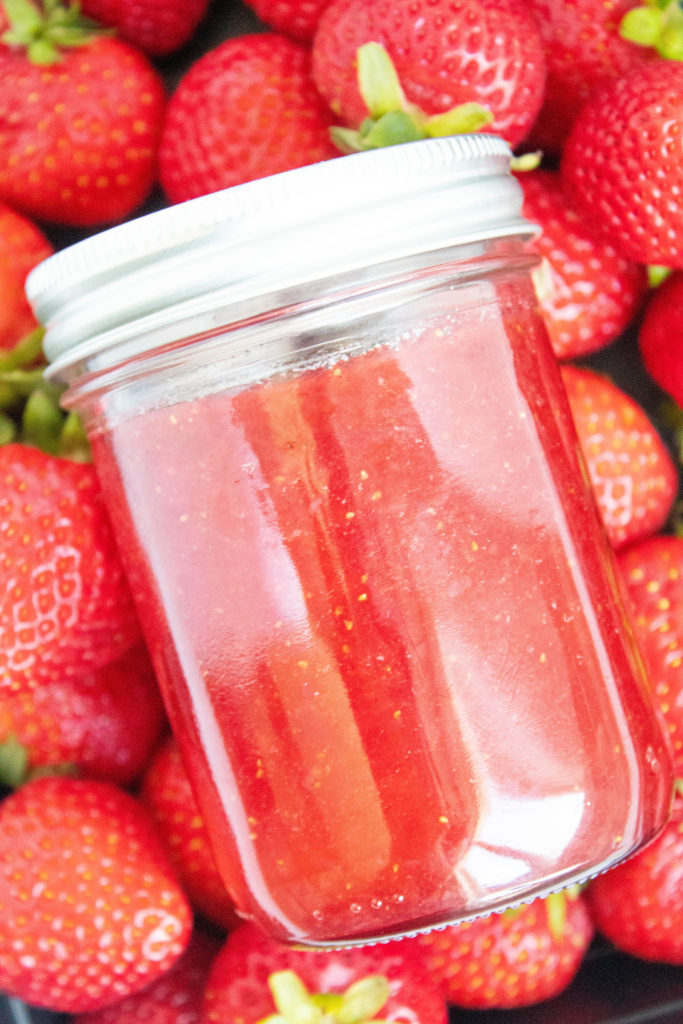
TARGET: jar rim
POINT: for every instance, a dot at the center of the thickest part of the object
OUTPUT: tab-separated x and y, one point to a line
273	233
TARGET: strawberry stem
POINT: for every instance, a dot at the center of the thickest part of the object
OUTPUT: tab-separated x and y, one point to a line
45	29
358	1004
392	119
657	24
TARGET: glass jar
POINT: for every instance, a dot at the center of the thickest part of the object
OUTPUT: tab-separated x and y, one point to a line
342	470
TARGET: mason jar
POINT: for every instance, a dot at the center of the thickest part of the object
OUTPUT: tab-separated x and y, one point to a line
342	470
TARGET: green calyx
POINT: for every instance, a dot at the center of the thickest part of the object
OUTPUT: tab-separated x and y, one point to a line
30	410
15	769
657	24
391	118
358	1004
45	28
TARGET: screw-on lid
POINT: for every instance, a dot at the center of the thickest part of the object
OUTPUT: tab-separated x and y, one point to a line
271	234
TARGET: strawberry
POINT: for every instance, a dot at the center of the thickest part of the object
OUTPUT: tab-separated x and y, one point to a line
660	338
296	18
633	474
516	958
167	793
638	905
86	895
22	246
175	998
157	29
79	126
445	54
237	990
584	49
588	293
65	601
652	571
104	721
623	164
246	109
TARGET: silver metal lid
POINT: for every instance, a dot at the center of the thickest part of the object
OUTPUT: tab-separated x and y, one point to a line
271	234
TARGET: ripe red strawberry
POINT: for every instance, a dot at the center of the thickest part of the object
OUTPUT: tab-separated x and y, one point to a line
156	28
584	49
167	793
661	336
237	988
652	571
633	474
22	246
175	998
638	905
79	128
64	598
516	958
296	18
445	54
246	109
90	906
588	293
623	163
104	721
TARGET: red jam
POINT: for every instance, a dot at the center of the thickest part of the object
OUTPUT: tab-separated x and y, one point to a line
384	616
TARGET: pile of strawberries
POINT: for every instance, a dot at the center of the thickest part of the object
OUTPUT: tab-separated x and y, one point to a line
111	906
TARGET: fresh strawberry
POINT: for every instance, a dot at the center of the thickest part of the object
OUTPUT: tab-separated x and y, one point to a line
623	164
633	474
661	336
296	18
167	793
79	125
237	990
156	28
175	998
516	958
445	54
584	49
638	905
587	292
65	601
246	109
22	246
90	905
652	571
104	721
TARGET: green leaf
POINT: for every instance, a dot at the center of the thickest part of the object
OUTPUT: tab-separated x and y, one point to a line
641	25
348	140
363	999
657	274
467	117
556	908
13	762
392	129
42	421
73	441
526	161
8	429
45	30
657	24
378	82
24	18
27	350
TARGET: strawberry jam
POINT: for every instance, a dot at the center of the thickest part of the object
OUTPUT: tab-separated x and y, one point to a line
384	617
339	458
